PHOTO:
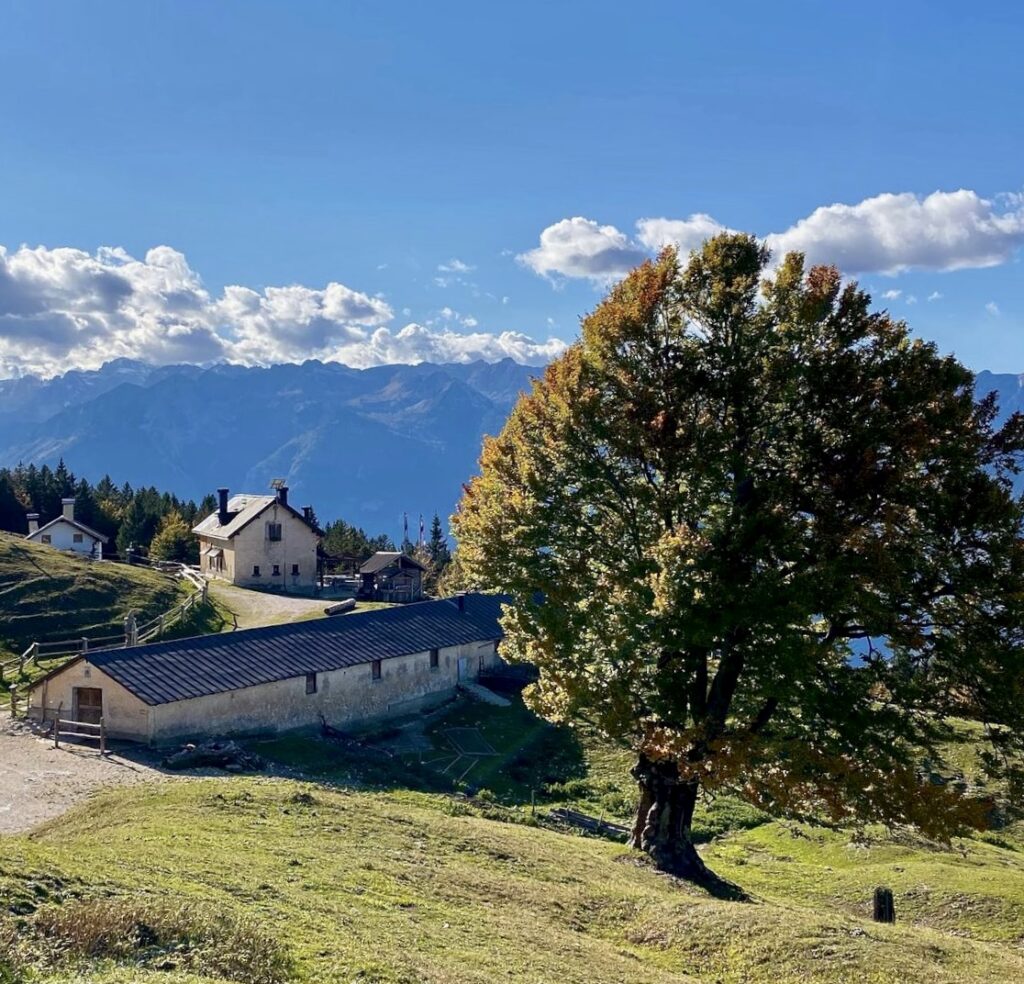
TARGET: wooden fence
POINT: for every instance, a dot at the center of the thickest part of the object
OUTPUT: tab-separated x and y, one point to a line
133	635
78	729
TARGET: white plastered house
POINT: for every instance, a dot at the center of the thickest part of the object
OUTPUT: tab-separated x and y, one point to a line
67	533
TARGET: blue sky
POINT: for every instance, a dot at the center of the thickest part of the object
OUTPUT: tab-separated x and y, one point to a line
368	146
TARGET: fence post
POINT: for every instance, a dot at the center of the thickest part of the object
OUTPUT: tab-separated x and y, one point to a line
160	630
14	701
56	726
103	738
884	907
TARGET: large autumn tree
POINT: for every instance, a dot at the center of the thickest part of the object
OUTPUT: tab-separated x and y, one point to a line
756	531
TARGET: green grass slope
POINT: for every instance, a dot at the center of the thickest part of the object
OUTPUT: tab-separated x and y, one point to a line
49	595
402	888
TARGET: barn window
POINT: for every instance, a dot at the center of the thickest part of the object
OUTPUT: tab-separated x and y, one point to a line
375	669
310	683
277	570
273	531
435	659
45	538
255	570
295	570
77	538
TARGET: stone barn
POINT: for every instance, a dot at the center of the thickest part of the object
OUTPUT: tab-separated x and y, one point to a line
345	670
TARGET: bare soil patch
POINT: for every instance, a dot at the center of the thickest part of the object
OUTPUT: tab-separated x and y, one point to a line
39	782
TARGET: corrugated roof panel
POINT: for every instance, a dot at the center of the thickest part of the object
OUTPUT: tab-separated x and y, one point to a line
187	668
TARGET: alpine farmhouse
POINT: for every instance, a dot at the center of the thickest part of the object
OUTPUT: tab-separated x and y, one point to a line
260	541
342	670
67	533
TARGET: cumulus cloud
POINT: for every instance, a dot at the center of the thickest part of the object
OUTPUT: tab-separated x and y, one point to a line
418	343
892	295
893	233
687	234
889	234
992	309
579	247
63	308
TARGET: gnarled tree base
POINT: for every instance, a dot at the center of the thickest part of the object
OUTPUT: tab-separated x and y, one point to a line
664	817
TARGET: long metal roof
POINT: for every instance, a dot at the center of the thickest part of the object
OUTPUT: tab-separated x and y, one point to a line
214	664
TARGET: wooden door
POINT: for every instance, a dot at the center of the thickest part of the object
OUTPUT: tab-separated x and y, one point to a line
463	667
88	704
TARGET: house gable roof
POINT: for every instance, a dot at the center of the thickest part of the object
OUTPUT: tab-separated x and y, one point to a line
182	669
243	508
87	530
385	558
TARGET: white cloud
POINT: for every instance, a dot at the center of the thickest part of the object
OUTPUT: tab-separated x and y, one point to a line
992	309
892	295
911	299
63	308
893	233
687	234
579	247
934	296
455	266
889	233
418	343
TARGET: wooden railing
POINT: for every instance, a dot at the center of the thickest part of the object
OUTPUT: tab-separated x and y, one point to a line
78	729
134	634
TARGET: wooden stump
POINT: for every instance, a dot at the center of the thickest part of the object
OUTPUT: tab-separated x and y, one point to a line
885	907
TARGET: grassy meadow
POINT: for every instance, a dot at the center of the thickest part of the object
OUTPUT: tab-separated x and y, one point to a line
49	595
382	862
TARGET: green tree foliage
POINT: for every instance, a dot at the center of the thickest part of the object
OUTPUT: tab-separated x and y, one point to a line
125	515
759	533
344	541
437	545
174	540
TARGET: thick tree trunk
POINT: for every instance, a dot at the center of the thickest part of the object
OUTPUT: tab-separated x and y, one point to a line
664	819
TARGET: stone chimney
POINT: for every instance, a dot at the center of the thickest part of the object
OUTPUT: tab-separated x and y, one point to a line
282	495
222	508
33	522
68	507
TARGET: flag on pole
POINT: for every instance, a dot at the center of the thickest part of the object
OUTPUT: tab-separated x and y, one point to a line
421	530
405	527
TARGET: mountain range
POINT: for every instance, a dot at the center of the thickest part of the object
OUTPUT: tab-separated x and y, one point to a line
365	445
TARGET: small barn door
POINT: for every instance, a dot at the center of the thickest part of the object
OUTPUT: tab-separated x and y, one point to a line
463	667
88	704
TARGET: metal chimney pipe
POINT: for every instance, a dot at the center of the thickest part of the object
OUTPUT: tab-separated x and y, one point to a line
222	495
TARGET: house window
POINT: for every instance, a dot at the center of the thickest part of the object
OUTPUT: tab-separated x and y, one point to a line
375	669
76	538
310	683
277	570
273	531
255	570
295	570
46	538
435	659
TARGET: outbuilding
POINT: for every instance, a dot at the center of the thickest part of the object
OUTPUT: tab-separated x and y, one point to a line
344	670
391	575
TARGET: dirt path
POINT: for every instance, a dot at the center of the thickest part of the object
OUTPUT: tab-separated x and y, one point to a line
254	608
39	782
